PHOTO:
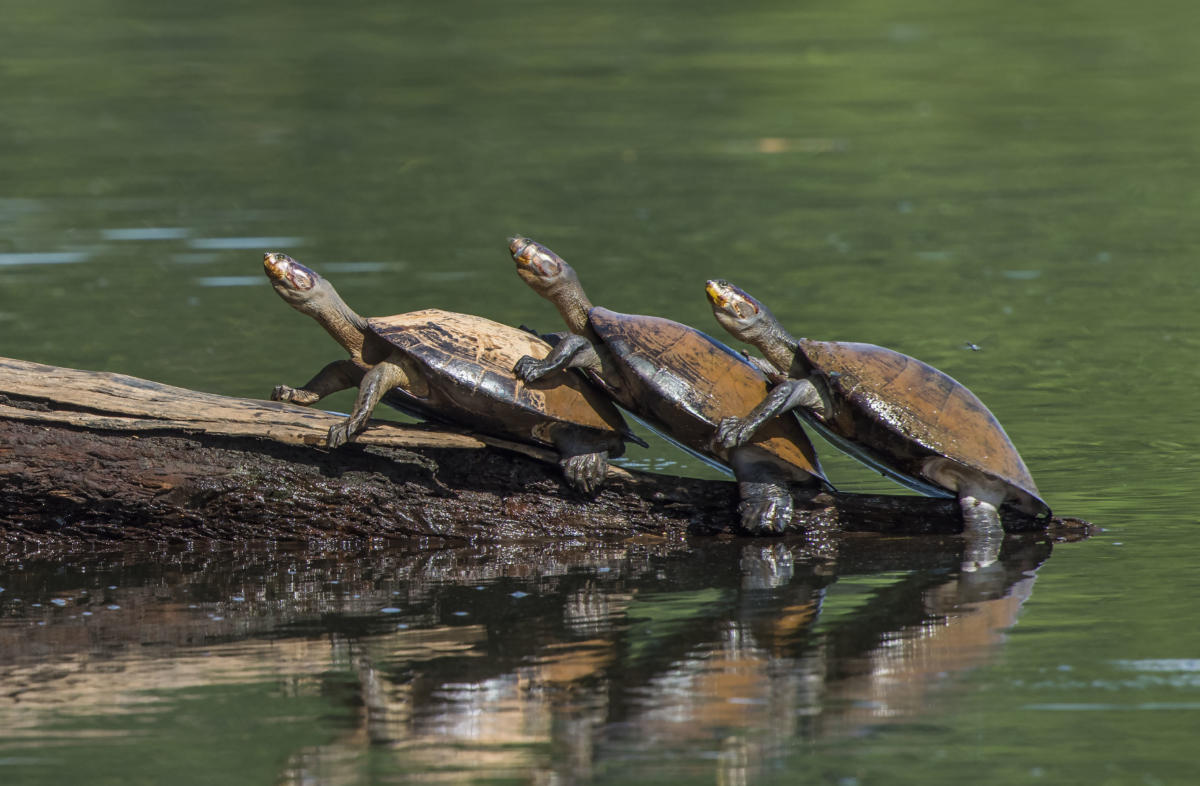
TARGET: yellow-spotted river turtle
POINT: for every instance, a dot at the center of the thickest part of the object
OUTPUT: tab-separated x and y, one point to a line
454	368
677	379
894	413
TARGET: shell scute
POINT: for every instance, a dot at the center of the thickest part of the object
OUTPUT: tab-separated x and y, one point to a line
688	381
466	363
900	405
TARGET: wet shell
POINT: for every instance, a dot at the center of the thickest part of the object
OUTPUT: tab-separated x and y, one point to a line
906	411
465	367
687	382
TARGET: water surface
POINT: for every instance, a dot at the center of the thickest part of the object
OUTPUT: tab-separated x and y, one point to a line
523	662
1005	192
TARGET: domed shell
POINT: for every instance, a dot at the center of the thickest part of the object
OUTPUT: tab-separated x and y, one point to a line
906	410
688	381
465	363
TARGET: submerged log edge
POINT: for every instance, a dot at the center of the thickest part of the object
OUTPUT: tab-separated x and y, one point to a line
93	456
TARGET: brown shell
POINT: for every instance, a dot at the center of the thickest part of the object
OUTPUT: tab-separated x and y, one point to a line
906	410
686	382
465	364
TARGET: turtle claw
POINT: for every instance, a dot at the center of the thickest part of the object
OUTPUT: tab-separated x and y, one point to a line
769	516
529	369
732	432
339	434
294	395
585	471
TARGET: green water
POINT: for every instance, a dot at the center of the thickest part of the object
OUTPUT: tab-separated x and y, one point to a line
926	175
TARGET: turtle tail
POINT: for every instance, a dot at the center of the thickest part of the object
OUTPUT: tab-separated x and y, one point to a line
628	435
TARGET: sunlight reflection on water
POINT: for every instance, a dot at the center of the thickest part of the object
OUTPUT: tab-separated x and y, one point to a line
147	233
230	281
43	258
243	243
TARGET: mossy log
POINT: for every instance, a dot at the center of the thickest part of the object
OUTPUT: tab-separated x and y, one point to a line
87	456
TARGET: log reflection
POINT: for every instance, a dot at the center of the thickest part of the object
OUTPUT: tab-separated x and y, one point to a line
526	661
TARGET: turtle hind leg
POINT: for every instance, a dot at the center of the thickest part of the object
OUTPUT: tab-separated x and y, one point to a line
585	472
338	375
983	534
979	499
765	508
583	456
766	504
301	396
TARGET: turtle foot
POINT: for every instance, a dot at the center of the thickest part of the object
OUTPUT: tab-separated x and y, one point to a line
983	534
339	434
294	395
732	432
585	472
766	515
529	369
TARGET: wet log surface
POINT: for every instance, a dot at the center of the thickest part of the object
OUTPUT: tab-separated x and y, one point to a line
93	456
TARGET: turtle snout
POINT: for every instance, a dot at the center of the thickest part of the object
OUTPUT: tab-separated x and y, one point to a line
272	264
517	245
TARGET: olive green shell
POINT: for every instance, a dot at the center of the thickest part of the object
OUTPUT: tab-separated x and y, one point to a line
904	411
464	374
685	382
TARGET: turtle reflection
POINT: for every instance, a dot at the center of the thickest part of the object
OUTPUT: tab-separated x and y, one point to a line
531	662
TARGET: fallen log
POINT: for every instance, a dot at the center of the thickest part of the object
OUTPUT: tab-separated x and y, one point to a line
91	456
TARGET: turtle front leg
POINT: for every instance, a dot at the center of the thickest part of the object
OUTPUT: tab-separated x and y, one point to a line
573	351
979	499
375	383
787	395
338	375
763	366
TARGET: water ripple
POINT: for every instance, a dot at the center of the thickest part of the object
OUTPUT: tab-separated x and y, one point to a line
230	281
1108	707
43	258
146	233
240	243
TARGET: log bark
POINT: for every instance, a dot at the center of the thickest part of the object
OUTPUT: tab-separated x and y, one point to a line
97	456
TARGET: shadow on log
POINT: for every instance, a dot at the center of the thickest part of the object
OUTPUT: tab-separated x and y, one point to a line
91	456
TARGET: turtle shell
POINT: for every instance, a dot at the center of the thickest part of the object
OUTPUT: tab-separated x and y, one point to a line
901	411
464	368
684	382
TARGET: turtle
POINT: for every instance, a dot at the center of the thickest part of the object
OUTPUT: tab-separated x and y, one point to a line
449	367
894	413
679	381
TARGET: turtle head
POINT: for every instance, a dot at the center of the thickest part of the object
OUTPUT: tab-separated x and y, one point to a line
736	311
750	321
541	268
302	287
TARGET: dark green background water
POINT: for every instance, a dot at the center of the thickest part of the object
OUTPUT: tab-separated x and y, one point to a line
923	175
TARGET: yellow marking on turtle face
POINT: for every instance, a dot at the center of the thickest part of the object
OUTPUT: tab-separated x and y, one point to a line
715	296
